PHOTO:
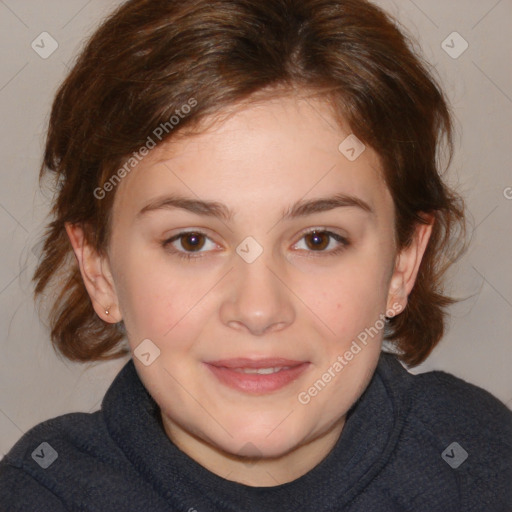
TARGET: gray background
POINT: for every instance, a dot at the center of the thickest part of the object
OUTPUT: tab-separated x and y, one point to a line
36	385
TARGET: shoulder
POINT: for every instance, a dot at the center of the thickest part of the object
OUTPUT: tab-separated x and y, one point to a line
442	402
39	446
75	461
445	403
42	462
466	434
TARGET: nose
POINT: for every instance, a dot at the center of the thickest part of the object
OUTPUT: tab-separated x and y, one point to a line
258	300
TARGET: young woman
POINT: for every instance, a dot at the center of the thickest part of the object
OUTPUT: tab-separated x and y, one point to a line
249	201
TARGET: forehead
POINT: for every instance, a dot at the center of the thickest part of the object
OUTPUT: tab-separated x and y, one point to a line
268	153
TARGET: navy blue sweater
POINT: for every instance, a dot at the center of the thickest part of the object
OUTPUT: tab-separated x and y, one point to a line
428	442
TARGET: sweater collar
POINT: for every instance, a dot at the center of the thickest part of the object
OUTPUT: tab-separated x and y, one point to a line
366	442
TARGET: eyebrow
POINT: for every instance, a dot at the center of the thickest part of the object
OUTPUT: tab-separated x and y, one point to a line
301	208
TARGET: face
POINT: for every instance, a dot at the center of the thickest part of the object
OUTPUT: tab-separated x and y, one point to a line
256	246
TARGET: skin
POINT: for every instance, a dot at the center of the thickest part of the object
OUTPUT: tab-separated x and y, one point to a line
294	301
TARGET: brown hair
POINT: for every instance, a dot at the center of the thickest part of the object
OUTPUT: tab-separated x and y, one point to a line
151	56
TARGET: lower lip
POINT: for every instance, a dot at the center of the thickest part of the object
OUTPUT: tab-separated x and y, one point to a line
257	383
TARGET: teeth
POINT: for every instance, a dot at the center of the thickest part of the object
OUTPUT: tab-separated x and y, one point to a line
262	371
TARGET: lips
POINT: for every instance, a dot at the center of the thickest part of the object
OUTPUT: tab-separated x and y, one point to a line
243	362
257	376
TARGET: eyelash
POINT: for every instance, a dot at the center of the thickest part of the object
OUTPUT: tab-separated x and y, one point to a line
194	256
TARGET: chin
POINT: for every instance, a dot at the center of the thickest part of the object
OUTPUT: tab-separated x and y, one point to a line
258	443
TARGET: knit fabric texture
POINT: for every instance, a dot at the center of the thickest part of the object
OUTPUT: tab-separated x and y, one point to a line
421	443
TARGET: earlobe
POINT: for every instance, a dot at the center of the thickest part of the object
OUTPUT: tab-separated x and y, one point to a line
96	275
407	264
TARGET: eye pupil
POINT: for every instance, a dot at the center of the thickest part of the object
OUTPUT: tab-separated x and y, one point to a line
320	241
192	241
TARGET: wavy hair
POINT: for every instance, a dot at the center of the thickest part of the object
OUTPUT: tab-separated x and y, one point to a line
150	56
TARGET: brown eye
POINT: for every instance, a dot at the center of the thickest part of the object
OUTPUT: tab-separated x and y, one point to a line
192	241
321	242
317	240
189	245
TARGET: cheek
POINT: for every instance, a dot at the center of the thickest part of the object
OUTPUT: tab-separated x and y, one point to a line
162	305
348	299
145	293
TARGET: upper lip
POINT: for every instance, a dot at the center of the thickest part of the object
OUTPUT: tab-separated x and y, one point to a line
244	362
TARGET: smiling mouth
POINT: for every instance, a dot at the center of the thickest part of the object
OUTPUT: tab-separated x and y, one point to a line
257	376
261	371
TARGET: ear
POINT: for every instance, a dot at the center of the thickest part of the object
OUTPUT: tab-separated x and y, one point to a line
407	264
96	275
